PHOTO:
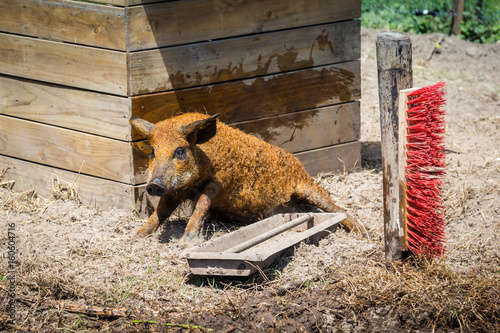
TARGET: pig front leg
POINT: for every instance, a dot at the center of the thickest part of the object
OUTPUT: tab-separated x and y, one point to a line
195	224
165	208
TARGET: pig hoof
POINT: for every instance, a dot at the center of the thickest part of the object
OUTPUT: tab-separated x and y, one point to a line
140	235
361	230
143	232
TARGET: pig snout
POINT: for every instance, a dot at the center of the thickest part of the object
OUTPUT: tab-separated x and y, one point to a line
156	187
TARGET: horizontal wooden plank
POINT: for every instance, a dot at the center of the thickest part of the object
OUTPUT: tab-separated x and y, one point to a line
256	98
323	139
106	194
96	156
90	112
309	129
92	191
188	21
66	20
70	65
145	27
333	158
124	3
239	58
72	150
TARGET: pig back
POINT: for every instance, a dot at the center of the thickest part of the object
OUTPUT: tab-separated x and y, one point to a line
255	176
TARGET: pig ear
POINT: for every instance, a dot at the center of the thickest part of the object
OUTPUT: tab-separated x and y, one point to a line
201	131
144	127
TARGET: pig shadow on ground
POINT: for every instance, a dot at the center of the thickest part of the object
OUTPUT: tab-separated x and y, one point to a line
371	155
173	229
219	223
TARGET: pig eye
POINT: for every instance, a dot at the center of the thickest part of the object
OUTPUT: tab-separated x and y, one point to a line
180	153
152	154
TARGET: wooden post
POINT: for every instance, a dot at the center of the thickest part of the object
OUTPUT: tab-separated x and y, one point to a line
458	11
394	64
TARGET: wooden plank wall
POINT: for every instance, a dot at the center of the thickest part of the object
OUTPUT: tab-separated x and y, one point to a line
165	69
72	73
92	191
146	24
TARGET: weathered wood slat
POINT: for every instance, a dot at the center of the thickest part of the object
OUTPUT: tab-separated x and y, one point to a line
95	113
334	158
125	3
103	157
260	97
239	58
305	130
213	257
245	245
72	150
108	115
106	70
66	20
395	73
153	25
180	22
65	64
92	191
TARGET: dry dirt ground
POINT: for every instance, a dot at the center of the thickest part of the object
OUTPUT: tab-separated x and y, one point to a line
72	257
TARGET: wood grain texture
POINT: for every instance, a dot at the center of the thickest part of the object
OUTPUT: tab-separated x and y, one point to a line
94	192
239	58
192	21
126	3
395	73
85	111
70	65
300	131
65	20
71	150
145	27
333	158
243	100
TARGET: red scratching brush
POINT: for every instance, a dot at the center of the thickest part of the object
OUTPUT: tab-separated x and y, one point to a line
413	157
422	169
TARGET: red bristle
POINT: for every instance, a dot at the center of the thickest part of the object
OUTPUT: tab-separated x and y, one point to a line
425	168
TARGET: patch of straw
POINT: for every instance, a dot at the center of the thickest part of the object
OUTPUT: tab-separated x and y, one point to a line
22	202
65	190
9	183
430	292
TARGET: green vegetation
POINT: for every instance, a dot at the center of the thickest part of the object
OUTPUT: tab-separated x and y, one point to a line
481	18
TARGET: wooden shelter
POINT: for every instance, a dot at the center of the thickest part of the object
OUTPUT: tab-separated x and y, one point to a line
72	73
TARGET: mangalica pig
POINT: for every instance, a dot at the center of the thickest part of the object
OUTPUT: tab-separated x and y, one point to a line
196	157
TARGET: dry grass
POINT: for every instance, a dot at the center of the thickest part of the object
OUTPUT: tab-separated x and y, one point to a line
421	294
29	201
23	202
65	190
429	292
47	278
414	294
